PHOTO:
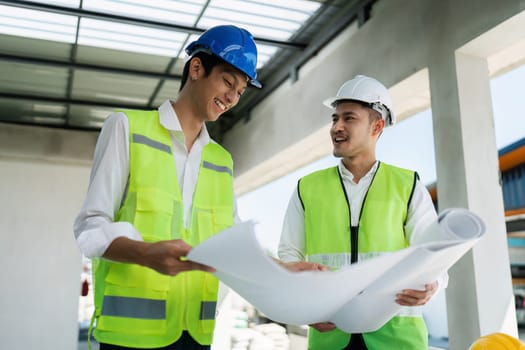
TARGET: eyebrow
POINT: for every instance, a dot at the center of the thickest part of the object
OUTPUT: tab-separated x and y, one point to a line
344	114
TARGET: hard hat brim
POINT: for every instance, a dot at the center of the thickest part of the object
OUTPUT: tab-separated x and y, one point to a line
255	83
330	103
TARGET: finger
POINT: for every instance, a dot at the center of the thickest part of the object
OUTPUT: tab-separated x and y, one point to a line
192	265
181	248
432	287
404	300
306	266
323	267
412	300
408	300
419	294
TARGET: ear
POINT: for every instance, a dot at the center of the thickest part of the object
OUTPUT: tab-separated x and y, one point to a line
379	125
196	69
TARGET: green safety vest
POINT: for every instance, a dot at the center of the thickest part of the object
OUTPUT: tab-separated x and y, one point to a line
136	306
381	229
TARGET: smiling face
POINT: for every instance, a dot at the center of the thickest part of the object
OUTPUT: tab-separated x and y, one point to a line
354	132
217	92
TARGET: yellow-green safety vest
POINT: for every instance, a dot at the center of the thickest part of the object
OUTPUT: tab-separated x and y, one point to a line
136	306
330	240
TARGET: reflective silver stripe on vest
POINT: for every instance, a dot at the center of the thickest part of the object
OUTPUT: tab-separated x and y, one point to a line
410	311
215	167
208	310
152	143
134	307
341	259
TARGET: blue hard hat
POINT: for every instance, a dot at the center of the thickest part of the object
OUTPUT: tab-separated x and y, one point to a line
232	44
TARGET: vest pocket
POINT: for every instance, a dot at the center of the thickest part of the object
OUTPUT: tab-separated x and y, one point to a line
154	214
213	220
222	218
134	301
136	276
211	287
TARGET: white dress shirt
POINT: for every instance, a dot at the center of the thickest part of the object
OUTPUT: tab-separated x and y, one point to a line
94	226
421	214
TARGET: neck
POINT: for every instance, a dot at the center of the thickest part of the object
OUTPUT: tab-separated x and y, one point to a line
359	166
190	124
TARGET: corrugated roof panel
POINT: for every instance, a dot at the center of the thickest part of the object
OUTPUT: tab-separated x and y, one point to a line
277	19
68	3
37	39
128	37
21	78
265	53
36	48
87	116
14	110
37	24
265	11
169	90
98	86
122	59
169	11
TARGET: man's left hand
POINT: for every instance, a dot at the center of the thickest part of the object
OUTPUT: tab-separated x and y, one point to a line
413	297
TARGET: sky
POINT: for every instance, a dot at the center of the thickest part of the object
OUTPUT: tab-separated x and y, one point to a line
407	144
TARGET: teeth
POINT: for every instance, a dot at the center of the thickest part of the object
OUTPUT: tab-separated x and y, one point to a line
220	104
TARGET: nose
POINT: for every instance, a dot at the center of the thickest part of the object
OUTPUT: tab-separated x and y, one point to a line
232	97
337	125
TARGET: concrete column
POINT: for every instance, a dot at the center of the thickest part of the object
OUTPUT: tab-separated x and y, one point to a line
479	295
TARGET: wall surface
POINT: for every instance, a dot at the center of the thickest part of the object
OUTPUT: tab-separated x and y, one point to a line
42	184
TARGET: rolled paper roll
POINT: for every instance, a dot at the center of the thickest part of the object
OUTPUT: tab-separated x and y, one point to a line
453	224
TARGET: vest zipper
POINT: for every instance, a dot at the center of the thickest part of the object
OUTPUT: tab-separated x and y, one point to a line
354	230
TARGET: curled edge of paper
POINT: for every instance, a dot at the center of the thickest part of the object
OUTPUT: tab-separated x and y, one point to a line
461	224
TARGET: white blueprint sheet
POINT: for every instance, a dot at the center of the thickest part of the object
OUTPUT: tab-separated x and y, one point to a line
367	288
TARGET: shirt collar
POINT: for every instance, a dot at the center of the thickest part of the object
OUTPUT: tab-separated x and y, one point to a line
345	173
170	120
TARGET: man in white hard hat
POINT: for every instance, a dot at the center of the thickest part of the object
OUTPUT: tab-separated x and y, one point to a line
357	210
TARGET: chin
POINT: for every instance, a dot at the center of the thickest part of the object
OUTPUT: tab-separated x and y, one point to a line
337	153
214	118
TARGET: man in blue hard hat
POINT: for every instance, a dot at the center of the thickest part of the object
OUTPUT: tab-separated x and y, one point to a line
159	185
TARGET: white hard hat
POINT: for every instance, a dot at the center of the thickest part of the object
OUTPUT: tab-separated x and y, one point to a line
368	90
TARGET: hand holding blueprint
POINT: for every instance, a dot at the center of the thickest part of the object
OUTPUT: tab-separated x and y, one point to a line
310	297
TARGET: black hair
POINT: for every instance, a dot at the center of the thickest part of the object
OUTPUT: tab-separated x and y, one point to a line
208	62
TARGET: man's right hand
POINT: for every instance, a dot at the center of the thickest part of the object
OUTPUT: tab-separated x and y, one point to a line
166	257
